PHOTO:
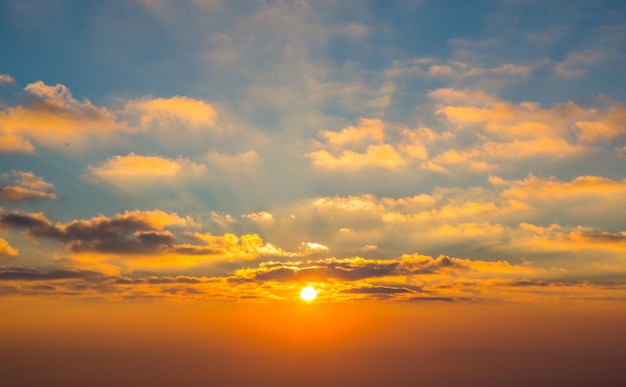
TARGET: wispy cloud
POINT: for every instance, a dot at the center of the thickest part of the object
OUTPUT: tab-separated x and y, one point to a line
25	186
6	79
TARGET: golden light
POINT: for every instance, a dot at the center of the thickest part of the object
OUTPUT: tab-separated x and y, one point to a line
308	293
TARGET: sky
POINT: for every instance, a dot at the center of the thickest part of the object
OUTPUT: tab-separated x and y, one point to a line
425	165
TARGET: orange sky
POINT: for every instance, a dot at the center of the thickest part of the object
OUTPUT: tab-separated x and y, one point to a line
571	327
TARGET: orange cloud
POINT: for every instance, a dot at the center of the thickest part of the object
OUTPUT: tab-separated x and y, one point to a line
382	156
583	186
164	111
52	117
133	172
453	158
505	120
6	251
369	129
26	186
367	146
12	143
560	238
606	128
246	246
489	155
543	147
406	278
505	132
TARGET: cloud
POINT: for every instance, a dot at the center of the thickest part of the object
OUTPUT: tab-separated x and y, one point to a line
246	246
486	134
557	238
6	79
360	204
466	97
376	290
498	134
164	112
430	67
260	217
377	156
575	64
372	144
356	269
26	186
240	162
10	143
165	7
136	172
23	274
20	194
6	251
506	121
310	247
356	30
606	127
597	187
25	220
369	129
129	233
51	116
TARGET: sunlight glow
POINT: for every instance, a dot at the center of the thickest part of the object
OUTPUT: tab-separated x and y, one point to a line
308	293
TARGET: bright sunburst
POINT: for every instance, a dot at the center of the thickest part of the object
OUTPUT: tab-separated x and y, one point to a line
308	293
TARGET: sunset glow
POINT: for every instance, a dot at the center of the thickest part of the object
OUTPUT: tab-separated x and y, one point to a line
308	293
398	193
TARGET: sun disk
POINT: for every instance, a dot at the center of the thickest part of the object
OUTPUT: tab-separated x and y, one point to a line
308	293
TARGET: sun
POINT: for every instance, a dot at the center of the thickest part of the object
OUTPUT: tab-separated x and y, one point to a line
308	293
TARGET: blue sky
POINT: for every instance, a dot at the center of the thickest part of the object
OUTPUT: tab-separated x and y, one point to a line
228	140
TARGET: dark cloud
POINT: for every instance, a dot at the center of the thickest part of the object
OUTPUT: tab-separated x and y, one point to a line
23	274
377	290
356	269
544	283
155	280
24	220
8	290
130	233
21	194
43	287
25	186
182	291
603	237
197	250
436	299
526	282
172	280
123	243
